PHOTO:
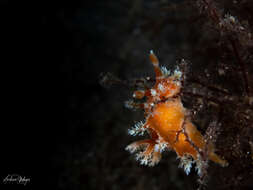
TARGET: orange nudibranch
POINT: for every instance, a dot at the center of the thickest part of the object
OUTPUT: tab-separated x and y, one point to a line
168	125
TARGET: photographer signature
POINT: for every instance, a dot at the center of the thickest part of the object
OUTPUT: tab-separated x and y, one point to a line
16	179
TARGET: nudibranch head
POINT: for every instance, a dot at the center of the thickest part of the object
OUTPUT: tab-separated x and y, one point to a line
168	124
166	86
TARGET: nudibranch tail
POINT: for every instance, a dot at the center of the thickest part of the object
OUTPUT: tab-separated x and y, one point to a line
215	158
168	125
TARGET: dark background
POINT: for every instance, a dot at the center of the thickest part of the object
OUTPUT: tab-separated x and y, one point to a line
66	131
91	133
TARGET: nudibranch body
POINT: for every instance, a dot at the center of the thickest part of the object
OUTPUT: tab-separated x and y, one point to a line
167	123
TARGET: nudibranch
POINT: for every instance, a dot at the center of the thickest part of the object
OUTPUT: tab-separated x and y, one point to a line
167	124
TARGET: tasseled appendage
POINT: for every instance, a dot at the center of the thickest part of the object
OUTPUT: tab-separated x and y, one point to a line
187	162
138	129
148	151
